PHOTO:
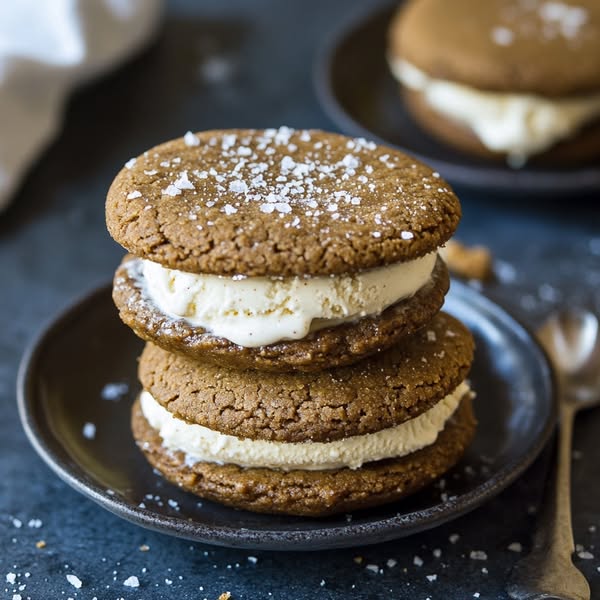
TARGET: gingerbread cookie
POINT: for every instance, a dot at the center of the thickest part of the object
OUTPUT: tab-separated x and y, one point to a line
279	249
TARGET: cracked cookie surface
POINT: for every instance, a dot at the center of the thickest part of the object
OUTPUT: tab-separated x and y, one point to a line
278	203
379	392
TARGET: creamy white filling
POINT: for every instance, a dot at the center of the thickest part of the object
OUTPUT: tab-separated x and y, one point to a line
257	311
201	444
519	125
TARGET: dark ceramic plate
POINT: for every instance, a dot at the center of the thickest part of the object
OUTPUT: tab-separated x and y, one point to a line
82	370
359	94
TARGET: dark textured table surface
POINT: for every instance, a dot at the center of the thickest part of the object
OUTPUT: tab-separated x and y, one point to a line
243	63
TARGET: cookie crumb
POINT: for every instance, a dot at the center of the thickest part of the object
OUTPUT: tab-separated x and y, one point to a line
225	596
40	544
144	548
470	262
515	547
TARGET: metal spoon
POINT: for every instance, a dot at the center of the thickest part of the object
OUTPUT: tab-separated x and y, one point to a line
572	340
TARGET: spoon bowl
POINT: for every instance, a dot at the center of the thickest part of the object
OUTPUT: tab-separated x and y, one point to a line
571	339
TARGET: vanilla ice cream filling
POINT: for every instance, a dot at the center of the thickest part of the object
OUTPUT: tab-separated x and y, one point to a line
519	125
200	444
256	311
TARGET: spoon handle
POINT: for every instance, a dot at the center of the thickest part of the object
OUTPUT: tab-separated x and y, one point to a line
548	570
554	530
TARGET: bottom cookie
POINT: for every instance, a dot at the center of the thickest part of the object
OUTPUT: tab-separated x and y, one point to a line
310	493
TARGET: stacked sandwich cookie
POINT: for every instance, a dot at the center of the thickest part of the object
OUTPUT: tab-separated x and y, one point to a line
515	79
289	289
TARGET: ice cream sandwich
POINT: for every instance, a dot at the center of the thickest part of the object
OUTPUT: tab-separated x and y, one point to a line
279	249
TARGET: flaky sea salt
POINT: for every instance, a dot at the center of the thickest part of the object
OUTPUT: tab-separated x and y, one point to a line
74	580
132	581
502	36
407	235
190	139
171	190
238	186
133	195
287	163
183	182
568	19
89	431
114	391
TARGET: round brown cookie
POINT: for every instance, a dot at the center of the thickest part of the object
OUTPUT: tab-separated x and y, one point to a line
583	146
377	393
311	493
547	48
343	344
279	203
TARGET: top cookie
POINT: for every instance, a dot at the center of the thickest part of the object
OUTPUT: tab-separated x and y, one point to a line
543	47
278	202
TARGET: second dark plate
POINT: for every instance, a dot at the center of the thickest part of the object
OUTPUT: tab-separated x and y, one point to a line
358	92
77	384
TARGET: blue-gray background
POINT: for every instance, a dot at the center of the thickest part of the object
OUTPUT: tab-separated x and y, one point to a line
246	64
